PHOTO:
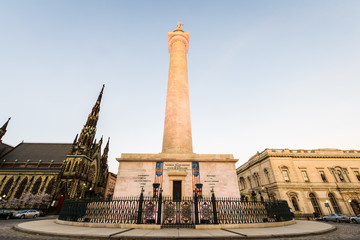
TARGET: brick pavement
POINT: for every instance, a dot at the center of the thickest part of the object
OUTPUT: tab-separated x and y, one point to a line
344	231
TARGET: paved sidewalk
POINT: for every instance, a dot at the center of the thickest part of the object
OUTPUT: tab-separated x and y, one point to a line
49	227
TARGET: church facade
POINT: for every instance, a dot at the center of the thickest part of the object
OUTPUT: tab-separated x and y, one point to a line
319	181
62	170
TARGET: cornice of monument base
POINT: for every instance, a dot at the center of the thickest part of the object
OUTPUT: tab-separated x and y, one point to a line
174	157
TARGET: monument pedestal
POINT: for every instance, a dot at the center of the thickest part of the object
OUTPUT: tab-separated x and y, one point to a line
178	174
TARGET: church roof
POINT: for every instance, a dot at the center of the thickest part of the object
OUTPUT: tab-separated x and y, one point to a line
4	148
46	152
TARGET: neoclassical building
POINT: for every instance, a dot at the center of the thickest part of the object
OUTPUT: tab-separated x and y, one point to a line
312	181
63	170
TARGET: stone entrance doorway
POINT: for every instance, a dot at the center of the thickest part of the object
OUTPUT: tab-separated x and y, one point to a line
177	190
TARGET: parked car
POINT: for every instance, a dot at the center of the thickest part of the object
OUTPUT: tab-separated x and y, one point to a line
335	217
42	213
355	219
27	214
6	214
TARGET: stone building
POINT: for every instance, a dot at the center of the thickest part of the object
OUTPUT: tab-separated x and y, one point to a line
312	181
63	170
110	186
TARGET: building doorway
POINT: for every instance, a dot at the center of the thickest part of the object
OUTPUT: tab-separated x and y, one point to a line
177	190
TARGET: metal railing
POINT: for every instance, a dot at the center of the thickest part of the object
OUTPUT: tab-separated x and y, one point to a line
186	212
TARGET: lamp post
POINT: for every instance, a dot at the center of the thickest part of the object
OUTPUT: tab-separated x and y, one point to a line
155	189
198	189
328	206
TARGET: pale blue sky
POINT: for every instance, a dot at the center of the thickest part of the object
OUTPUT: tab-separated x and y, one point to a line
262	74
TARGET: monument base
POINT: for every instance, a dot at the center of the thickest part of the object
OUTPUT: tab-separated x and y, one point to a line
176	174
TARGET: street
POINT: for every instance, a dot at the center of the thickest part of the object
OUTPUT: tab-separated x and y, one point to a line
344	231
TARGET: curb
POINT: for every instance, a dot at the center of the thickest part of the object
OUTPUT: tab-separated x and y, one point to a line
113	236
65	235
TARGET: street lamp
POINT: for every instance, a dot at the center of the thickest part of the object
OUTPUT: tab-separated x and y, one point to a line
328	206
198	189
155	189
265	189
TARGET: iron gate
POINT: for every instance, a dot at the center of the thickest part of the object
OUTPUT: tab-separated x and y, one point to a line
178	213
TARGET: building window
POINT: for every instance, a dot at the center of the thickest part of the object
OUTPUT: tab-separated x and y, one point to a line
285	174
267	175
315	204
2	181
21	188
357	174
249	180
272	196
322	175
257	179
334	203
75	167
36	186
67	168
295	203
7	186
305	176
44	183
242	183
50	186
340	176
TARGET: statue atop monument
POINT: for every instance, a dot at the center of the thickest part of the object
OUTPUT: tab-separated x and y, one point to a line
178	27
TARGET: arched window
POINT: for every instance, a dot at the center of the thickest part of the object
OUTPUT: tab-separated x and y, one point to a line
85	140
295	203
242	183
7	186
285	173
272	196
334	203
257	179
50	186
315	204
67	168
36	186
249	180
267	175
21	188
91	173
340	176
75	167
2	181
44	184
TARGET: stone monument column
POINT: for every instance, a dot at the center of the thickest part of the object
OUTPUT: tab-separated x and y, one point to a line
177	129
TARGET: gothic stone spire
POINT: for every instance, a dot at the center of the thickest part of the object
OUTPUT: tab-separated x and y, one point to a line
88	132
3	129
106	150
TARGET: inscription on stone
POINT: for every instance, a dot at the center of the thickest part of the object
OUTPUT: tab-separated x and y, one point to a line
177	166
142	179
211	180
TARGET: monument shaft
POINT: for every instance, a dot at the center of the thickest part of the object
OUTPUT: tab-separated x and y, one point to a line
177	127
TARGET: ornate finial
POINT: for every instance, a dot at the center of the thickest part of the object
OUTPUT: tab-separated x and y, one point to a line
178	27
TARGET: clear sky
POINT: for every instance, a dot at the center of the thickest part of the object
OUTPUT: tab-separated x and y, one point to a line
262	74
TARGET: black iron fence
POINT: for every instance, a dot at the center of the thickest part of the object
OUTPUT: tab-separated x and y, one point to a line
186	212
